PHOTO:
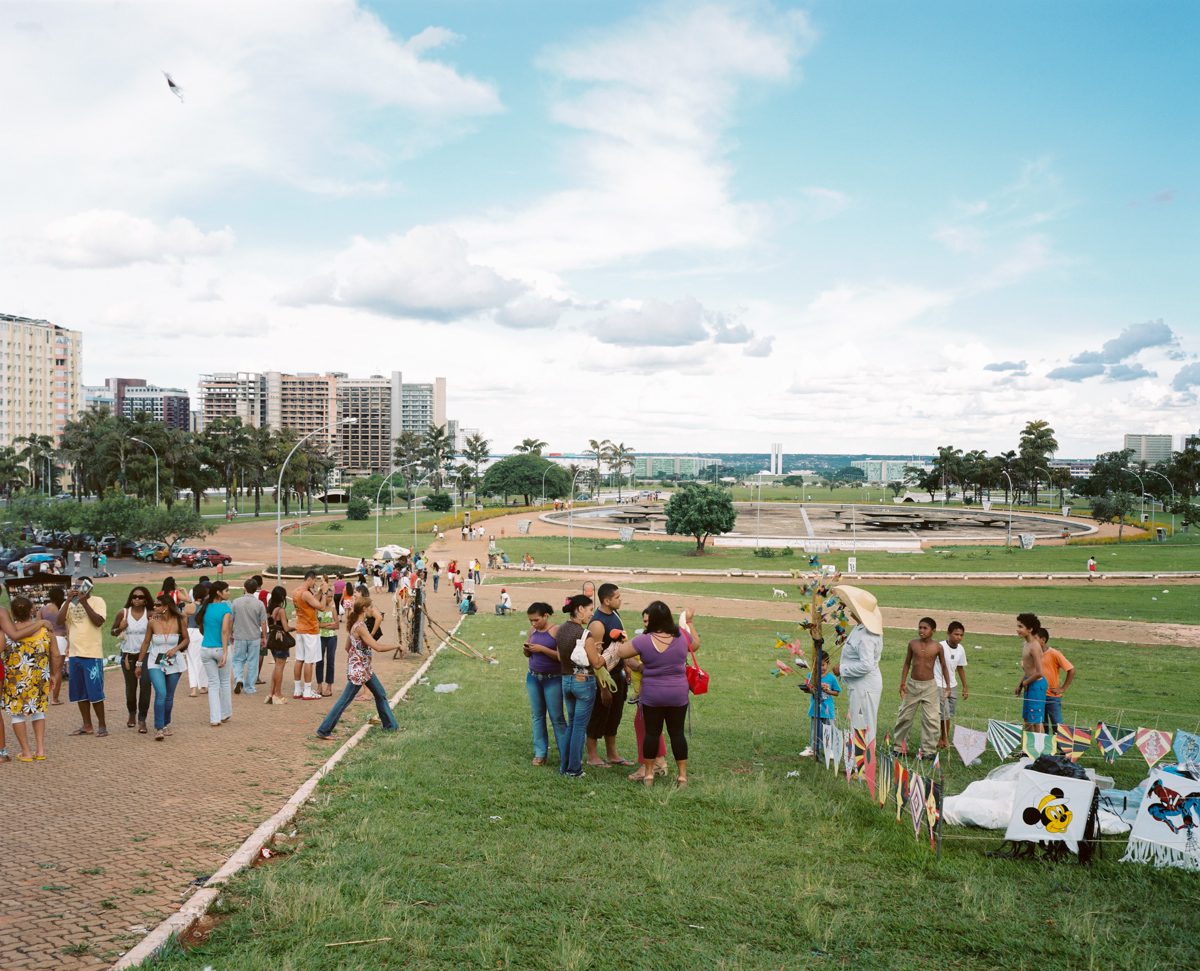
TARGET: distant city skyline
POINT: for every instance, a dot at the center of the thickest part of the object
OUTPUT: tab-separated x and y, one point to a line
834	226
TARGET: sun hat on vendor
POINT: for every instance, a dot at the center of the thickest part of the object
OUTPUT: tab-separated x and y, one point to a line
862	605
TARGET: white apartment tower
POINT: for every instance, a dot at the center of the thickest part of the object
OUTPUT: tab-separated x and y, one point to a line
777	458
40	385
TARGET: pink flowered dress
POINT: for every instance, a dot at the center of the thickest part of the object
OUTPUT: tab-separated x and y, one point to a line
358	659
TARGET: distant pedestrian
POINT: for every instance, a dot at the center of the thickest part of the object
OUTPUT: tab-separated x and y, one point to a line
1091	568
437	575
215	621
163	655
277	627
83	613
76	560
197	682
130	626
249	637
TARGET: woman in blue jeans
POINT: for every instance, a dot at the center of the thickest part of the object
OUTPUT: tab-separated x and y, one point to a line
163	659
543	682
581	665
358	669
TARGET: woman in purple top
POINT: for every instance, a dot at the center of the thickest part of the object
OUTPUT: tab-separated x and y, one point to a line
663	651
543	682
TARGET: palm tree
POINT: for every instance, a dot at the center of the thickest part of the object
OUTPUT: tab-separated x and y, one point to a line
620	457
477	451
34	453
11	473
407	453
465	477
531	446
437	449
1037	444
598	450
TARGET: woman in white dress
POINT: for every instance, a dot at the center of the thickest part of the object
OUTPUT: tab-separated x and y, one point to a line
197	679
859	666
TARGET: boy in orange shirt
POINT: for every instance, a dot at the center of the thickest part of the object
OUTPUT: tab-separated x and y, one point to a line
1053	662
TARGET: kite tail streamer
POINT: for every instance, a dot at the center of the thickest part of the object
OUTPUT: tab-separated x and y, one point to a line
1144	851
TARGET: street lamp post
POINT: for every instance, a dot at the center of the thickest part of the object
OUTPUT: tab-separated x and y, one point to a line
425	478
155	451
279	491
570	511
1172	485
1008	535
544	474
1142	486
379	494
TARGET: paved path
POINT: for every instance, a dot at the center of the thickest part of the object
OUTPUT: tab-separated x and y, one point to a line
108	836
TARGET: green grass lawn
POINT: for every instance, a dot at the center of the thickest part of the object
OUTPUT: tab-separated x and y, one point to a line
444	839
1182	553
357	537
1105	602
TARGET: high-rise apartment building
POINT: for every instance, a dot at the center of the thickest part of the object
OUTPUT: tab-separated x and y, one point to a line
171	406
776	458
382	406
40	386
1150	449
882	471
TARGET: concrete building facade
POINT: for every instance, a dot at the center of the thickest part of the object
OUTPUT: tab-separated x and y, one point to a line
671	466
883	471
1150	449
171	406
40	378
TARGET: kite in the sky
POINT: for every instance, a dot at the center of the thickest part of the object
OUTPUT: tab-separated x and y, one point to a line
175	88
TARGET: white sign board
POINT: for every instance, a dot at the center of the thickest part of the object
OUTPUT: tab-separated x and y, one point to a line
1027	540
626	534
1066	510
852	564
523	527
987	505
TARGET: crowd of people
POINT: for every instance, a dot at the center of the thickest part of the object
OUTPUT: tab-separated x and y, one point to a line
219	641
583	670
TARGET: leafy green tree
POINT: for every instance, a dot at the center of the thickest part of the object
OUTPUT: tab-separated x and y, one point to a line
1109	474
896	487
700	511
477	450
439	502
466	478
166	525
11	475
1113	508
358	509
794	481
521	475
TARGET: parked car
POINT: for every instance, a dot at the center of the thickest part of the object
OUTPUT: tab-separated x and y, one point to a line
32	563
204	557
179	552
152	552
129	547
107	546
11	556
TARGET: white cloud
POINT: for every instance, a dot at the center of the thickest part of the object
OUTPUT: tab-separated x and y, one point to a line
654	323
650	101
825	203
108	238
425	274
759	347
882	307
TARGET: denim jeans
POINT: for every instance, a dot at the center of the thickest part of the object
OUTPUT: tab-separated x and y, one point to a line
436	578
325	665
220	704
545	698
244	661
164	696
579	697
348	695
1053	712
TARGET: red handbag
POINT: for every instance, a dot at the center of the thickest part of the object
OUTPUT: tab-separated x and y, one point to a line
697	677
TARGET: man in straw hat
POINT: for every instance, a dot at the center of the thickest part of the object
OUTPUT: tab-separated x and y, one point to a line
859	665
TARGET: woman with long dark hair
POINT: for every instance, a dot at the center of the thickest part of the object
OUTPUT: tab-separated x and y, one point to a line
214	619
277	626
580	661
130	626
190	605
663	650
162	656
543	682
359	673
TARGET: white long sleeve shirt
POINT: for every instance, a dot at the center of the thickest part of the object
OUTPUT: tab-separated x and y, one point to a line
860	654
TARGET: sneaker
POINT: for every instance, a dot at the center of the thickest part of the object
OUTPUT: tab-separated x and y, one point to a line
298	693
237	688
807	753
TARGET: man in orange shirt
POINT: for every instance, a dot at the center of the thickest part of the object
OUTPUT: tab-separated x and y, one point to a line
1053	663
309	597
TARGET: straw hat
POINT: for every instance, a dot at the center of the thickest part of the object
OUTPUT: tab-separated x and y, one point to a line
863	605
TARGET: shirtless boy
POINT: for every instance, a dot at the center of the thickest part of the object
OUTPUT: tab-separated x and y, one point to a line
919	690
1033	682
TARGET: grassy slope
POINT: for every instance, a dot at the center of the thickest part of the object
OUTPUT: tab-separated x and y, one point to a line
446	840
1108	601
1181	554
357	537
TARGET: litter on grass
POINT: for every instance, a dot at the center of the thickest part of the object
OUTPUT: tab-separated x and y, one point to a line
423	681
444	689
495	819
794	774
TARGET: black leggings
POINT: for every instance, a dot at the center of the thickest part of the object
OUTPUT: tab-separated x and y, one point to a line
674	716
137	688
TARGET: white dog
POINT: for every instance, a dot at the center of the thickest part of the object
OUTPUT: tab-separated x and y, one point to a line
778	594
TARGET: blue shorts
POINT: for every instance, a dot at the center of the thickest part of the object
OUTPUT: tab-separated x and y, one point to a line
1053	710
1034	709
85	679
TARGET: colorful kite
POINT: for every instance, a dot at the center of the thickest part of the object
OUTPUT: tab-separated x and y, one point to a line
1034	744
1187	751
1050	809
931	813
916	803
885	778
1166	831
1114	740
901	775
1153	744
1072	742
1004	736
969	743
868	769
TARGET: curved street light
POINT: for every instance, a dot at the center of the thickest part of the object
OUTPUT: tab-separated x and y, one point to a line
1172	485
379	494
570	510
152	449
1008	535
279	491
1142	486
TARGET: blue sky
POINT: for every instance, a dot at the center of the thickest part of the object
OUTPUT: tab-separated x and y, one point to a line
844	226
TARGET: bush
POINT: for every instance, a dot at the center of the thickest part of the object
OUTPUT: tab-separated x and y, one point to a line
766	552
439	502
358	509
335	527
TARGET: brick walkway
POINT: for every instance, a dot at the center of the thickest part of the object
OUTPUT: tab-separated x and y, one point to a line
108	836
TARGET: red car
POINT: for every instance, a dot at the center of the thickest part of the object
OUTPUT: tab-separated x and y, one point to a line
201	557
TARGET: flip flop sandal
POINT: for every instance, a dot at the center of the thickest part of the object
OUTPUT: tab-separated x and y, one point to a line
142	729
616	762
39	758
24	758
101	733
80	731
